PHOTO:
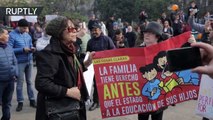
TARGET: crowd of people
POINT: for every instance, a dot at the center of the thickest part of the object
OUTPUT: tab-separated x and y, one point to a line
59	48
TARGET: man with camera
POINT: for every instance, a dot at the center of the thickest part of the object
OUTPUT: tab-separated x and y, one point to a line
206	29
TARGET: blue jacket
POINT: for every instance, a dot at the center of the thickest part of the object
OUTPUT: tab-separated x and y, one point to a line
18	41
8	64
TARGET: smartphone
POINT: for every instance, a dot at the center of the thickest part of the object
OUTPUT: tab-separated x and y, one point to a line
183	58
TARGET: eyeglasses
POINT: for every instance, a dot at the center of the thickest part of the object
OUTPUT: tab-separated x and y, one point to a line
72	29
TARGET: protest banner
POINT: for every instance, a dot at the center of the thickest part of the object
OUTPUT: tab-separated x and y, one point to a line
205	99
16	18
32	19
28	18
50	17
88	77
135	80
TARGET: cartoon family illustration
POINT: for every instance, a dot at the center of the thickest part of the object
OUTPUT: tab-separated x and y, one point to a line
161	81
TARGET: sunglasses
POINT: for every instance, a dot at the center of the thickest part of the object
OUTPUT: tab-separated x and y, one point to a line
72	29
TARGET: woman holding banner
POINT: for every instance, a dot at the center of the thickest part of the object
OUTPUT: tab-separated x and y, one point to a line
152	35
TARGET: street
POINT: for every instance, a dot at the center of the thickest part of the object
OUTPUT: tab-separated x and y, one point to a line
182	111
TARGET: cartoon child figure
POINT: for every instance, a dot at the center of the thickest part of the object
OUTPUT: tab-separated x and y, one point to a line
169	79
151	89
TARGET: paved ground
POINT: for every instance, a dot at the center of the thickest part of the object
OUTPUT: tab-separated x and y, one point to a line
182	111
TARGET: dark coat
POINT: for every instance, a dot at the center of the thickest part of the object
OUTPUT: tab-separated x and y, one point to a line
54	76
131	38
100	43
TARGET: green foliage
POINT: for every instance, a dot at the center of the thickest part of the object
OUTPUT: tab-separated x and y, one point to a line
67	8
129	10
75	16
14	3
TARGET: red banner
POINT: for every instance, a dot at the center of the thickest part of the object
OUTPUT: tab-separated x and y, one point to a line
134	80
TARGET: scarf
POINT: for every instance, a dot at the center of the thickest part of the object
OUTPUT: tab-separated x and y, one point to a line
70	50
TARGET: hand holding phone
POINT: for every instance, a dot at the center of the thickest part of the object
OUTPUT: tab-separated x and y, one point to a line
207	59
183	58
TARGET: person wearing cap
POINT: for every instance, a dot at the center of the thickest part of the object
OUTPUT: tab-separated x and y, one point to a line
152	35
60	74
21	42
98	42
8	73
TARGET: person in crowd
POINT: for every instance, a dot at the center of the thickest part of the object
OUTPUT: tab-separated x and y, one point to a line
186	27
84	36
139	41
37	33
59	73
143	16
119	40
167	29
126	24
115	28
43	41
152	35
206	16
98	42
92	21
8	73
192	8
109	26
164	18
21	42
206	29
120	24
159	21
182	16
207	37
31	30
177	25
103	28
130	36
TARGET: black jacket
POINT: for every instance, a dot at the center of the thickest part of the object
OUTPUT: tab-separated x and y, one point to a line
54	76
100	43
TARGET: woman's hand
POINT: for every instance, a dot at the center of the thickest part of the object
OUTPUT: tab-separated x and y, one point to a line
192	39
88	58
74	92
207	59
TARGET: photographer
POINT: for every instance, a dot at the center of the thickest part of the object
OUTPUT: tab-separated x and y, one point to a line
204	29
207	59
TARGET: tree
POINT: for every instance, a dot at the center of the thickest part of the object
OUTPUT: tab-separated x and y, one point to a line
130	9
14	3
63	7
